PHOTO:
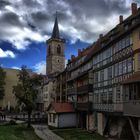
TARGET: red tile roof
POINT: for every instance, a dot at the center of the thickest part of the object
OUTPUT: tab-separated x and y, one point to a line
133	78
62	107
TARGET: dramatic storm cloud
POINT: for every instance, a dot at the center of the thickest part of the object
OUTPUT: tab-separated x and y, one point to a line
23	22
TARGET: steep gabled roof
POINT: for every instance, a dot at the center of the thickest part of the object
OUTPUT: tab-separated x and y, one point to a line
55	33
61	107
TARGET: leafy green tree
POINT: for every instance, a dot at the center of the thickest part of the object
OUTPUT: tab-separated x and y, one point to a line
26	91
2	82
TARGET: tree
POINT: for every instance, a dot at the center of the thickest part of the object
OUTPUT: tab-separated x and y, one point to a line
25	91
2	82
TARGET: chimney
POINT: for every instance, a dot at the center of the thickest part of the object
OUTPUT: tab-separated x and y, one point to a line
134	8
79	52
121	18
72	57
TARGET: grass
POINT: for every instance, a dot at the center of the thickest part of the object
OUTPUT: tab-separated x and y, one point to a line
77	134
17	132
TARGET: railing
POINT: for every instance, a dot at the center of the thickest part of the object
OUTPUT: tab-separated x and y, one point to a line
85	89
132	108
115	107
85	106
36	117
71	91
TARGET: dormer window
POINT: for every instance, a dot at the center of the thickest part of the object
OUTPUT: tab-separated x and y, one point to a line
134	21
126	27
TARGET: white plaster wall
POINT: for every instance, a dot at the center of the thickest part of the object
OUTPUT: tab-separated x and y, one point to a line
52	123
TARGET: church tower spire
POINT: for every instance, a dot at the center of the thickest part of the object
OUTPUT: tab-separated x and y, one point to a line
55	51
55	33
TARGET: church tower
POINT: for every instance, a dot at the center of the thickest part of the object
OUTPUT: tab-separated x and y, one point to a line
55	51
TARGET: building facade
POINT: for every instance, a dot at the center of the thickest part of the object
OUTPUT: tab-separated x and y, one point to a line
40	99
114	61
80	89
60	81
112	67
9	100
48	92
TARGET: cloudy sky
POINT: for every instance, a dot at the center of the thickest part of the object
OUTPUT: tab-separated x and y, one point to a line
25	25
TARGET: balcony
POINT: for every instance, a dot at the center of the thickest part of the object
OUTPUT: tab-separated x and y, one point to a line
85	106
71	91
85	89
118	107
132	108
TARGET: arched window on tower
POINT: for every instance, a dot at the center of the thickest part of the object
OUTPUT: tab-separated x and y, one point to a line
59	49
49	50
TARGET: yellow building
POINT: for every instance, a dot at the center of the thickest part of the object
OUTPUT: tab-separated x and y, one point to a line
11	80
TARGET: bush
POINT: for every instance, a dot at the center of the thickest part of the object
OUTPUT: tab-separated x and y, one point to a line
12	122
52	127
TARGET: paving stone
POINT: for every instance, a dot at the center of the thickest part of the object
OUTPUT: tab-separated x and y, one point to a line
43	132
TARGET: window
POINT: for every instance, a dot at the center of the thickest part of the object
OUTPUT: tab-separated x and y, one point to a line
120	68
104	54
104	100
110	73
49	50
134	21
139	61
102	75
131	41
105	96
54	117
96	77
101	98
120	45
46	88
96	96
59	49
139	34
124	67
50	117
138	86
45	96
130	92
105	74
99	57
123	43
127	43
116	48
110	96
126	27
129	64
116	69
118	93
